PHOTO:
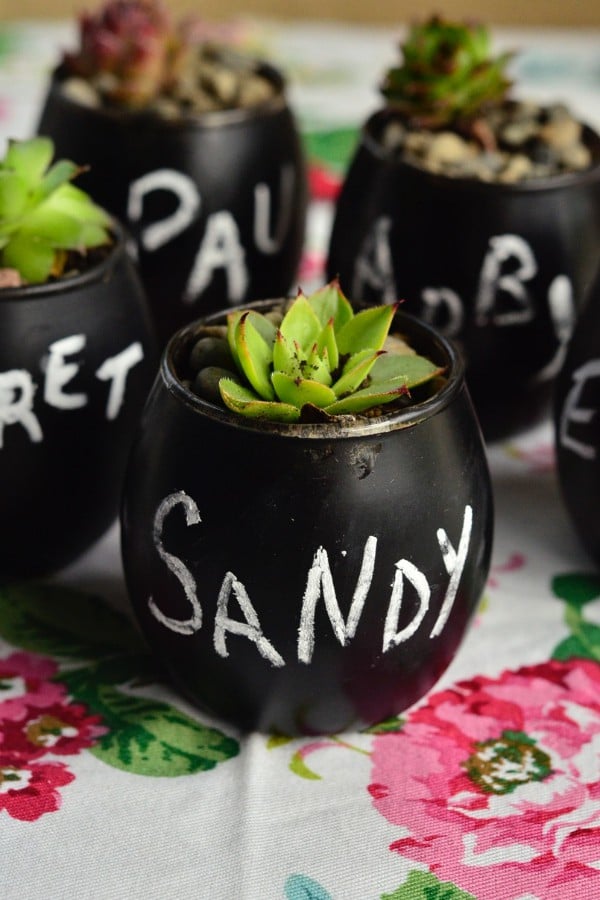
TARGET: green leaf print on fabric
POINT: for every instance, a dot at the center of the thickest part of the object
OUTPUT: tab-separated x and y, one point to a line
152	738
577	590
425	886
145	736
61	622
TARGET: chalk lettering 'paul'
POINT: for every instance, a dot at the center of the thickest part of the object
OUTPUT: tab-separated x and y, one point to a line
319	586
221	247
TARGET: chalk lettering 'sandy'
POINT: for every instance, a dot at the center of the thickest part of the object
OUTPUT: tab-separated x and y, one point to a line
18	388
234	596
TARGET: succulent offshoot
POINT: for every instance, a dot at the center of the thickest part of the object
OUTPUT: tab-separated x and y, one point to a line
130	49
447	75
321	360
43	217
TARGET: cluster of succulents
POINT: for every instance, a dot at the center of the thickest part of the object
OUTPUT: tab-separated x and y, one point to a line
132	54
447	74
313	360
43	217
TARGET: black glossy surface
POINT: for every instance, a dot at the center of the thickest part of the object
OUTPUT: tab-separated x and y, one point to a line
443	234
264	501
225	162
63	450
577	424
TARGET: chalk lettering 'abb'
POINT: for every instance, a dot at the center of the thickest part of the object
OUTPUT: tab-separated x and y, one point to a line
319	585
503	298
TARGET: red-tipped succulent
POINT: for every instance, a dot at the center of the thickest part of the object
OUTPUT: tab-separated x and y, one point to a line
130	50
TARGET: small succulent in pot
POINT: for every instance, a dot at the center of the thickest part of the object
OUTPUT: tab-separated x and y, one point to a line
205	159
452	110
339	589
466	202
315	360
77	353
45	221
448	75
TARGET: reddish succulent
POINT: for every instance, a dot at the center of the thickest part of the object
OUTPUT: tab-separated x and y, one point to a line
130	49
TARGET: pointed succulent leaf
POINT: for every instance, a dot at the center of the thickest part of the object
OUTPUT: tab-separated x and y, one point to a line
13	197
75	202
297	392
301	323
255	357
316	367
409	366
368	329
33	258
330	303
233	321
355	371
240	400
285	356
327	344
29	158
60	173
264	326
373	395
56	228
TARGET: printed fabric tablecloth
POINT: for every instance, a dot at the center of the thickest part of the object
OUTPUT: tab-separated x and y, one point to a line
112	786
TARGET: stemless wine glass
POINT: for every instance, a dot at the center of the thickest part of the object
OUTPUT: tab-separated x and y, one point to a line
305	578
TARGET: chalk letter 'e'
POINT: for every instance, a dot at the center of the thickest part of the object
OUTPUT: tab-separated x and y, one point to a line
176	566
579	415
59	373
16	403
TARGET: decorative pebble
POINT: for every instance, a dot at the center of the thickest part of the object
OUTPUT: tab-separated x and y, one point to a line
532	141
211	79
210	351
206	382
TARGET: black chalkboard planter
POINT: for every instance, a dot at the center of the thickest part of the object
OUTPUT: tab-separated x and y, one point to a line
302	578
77	355
215	200
577	424
499	266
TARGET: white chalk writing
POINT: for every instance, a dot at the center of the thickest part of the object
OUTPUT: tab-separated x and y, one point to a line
319	584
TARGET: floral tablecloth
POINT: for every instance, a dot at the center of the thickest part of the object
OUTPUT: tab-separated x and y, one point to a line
112	786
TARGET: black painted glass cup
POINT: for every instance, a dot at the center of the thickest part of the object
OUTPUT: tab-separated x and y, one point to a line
77	357
216	203
306	578
499	268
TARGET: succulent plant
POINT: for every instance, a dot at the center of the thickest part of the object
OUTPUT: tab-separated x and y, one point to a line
322	359
447	75
42	215
130	49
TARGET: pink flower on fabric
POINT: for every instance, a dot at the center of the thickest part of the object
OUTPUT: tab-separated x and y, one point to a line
60	729
27	791
25	683
496	783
